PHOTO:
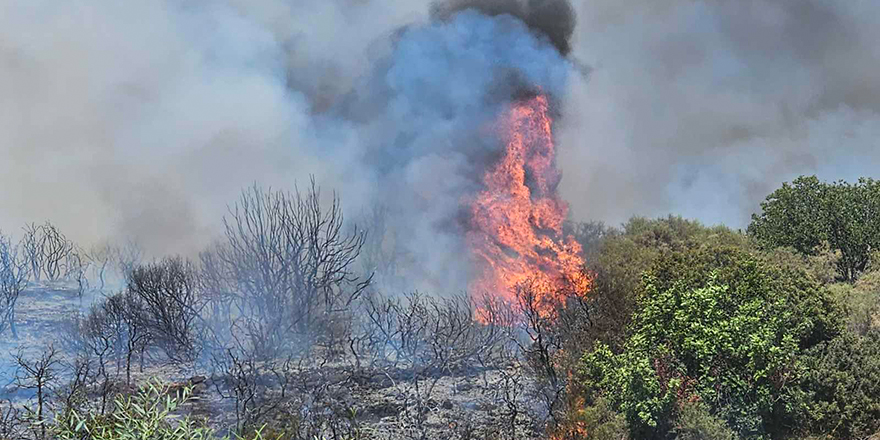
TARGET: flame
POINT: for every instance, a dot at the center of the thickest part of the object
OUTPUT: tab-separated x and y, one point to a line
574	426
516	223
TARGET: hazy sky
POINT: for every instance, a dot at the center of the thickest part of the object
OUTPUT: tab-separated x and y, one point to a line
704	107
143	119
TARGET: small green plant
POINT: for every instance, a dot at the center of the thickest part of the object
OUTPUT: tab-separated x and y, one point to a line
146	415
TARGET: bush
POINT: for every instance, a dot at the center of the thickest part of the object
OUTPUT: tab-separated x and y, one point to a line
49	253
168	293
719	327
145	415
13	279
596	422
842	381
696	423
286	266
861	301
149	414
617	258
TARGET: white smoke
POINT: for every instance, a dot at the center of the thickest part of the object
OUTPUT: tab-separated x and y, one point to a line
144	119
140	120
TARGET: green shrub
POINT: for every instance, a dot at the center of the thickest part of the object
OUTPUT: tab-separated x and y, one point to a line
595	422
617	258
718	326
807	213
146	415
861	302
696	423
842	380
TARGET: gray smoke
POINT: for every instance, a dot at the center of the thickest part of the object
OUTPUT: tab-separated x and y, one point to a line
144	119
704	107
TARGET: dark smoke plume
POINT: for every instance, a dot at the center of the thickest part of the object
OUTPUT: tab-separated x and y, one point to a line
552	19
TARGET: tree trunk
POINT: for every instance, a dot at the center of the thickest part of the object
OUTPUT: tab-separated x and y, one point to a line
128	367
12	326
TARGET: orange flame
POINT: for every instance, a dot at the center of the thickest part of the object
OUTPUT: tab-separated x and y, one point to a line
516	231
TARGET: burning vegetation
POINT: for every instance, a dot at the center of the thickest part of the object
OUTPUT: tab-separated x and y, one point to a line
517	219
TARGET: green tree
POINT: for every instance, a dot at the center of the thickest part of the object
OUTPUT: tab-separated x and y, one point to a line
718	326
617	257
807	212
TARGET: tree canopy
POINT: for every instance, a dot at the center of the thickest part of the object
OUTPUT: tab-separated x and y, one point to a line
717	326
806	213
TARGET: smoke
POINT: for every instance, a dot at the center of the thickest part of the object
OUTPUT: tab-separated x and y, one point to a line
553	20
425	122
143	120
703	108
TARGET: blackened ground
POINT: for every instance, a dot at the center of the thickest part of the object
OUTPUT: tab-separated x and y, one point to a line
378	402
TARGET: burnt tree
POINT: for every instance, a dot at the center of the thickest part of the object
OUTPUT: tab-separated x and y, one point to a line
286	267
49	253
167	293
125	322
38	375
13	279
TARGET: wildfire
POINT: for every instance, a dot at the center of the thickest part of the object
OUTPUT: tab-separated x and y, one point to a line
516	232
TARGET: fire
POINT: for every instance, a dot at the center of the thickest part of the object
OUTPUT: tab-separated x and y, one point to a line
516	231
